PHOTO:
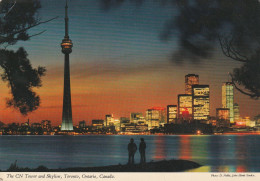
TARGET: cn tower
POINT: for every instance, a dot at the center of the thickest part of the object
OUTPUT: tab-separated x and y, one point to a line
66	46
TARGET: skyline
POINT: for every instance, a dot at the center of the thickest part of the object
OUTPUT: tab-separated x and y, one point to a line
117	62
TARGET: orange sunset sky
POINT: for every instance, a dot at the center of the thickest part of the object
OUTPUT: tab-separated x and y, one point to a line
118	64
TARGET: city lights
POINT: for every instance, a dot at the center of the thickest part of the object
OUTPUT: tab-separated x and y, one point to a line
191	115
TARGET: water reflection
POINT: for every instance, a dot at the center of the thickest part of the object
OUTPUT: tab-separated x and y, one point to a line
185	150
160	148
241	154
225	153
220	154
199	149
253	147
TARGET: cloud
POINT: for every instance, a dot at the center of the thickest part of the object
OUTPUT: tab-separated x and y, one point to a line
115	70
59	106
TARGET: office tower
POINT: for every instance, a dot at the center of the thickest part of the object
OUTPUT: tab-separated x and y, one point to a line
66	46
98	123
109	120
171	114
117	124
136	117
185	107
123	123
155	117
236	112
223	119
200	102
222	113
124	120
228	99
190	80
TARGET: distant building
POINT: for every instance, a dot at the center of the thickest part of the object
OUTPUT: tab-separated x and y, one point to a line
155	117
46	125
185	107
236	112
82	124
190	80
228	99
172	114
257	119
201	106
249	122
213	121
97	123
134	128
136	117
117	124
241	123
109	120
222	115
36	125
123	122
25	124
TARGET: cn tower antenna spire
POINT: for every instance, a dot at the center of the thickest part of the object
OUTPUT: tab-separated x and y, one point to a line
66	21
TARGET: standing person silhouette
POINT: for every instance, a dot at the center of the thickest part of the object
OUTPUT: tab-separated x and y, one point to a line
131	151
142	147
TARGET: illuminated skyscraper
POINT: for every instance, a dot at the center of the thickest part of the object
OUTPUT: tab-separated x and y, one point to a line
200	102
184	107
155	117
66	46
137	118
190	79
228	99
236	112
98	123
222	113
109	120
171	114
223	119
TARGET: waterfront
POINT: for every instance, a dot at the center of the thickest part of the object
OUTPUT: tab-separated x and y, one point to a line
217	153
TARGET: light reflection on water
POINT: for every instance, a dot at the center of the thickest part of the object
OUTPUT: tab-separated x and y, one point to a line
217	153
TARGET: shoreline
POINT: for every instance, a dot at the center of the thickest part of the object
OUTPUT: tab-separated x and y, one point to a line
156	134
158	166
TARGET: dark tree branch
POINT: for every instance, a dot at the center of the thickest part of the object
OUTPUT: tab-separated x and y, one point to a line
4	39
36	34
16	39
252	95
230	51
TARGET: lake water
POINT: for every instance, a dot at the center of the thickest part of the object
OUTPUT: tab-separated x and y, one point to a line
217	153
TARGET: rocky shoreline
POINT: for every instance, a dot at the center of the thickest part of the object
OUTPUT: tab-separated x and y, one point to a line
158	166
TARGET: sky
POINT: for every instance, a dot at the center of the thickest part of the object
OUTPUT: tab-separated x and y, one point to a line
118	64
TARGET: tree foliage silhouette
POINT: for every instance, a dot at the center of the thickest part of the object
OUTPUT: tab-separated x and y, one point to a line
16	18
205	25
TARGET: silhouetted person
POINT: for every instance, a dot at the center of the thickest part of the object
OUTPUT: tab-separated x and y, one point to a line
131	151
142	147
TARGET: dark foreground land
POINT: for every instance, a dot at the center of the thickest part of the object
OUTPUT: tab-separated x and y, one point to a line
159	166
